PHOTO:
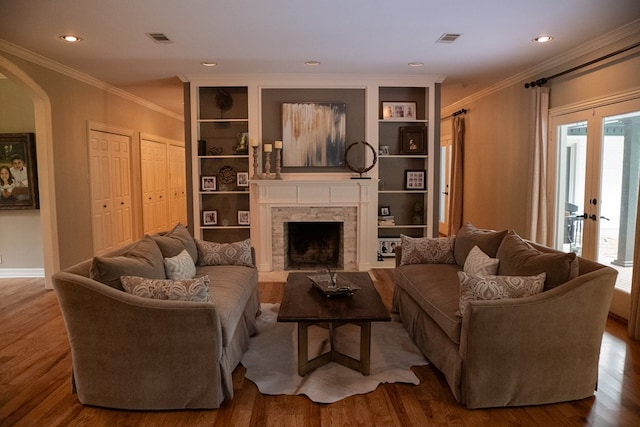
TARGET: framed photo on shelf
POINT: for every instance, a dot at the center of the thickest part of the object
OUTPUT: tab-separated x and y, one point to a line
415	179
413	140
210	218
242	179
384	211
208	183
387	246
243	218
399	111
384	150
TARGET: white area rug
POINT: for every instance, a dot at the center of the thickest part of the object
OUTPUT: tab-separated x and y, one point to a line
272	359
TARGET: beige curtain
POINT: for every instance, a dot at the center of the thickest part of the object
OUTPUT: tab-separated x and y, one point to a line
634	315
457	175
538	188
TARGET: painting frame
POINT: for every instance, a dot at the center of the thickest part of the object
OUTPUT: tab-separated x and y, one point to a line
386	246
244	218
413	140
323	142
415	179
208	183
21	189
399	111
209	218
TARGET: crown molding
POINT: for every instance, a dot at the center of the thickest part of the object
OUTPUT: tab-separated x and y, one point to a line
37	59
628	30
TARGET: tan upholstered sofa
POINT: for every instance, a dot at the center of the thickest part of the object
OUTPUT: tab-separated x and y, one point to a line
536	349
132	352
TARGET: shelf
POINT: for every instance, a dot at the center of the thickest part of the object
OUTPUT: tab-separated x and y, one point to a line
402	191
403	121
226	156
402	156
224	192
224	227
403	226
223	120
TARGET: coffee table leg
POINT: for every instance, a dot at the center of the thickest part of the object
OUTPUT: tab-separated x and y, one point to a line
365	347
303	349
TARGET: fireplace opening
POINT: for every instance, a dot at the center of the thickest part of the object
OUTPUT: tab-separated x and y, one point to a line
313	245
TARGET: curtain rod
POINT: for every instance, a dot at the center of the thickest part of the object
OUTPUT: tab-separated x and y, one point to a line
544	80
457	113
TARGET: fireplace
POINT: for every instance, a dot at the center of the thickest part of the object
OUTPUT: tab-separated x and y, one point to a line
313	245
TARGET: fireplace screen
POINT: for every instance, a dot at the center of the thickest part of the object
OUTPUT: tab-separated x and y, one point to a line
313	245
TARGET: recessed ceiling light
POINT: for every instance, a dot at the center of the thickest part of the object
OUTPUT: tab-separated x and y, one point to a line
312	63
416	64
543	39
208	64
70	38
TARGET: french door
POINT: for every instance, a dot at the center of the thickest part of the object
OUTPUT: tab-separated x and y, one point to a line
597	177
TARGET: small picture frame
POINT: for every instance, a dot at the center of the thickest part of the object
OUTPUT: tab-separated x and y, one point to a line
387	246
415	180
244	218
210	218
413	140
384	150
209	183
384	211
399	111
242	179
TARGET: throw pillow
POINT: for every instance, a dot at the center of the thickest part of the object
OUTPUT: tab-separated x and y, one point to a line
426	250
196	290
142	259
173	242
518	258
480	264
236	253
469	236
180	266
474	288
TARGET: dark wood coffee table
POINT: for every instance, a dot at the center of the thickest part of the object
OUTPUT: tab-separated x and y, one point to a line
308	306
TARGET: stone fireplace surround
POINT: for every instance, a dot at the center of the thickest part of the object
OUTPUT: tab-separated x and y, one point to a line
351	201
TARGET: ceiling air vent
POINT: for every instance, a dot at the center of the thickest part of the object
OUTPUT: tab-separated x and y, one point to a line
448	38
159	38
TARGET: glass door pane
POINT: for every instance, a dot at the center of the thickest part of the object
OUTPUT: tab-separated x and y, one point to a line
619	193
572	163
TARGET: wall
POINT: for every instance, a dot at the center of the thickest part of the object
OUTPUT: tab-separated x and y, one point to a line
74	103
20	236
498	145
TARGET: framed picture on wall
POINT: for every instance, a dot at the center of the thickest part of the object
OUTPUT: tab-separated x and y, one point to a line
415	179
413	140
18	171
399	111
210	218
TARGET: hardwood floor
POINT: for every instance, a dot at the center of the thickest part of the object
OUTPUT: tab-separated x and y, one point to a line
35	388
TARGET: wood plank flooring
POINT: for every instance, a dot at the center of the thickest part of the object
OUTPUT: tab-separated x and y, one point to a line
35	387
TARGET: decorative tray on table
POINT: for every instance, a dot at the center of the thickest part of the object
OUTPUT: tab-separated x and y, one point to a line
332	284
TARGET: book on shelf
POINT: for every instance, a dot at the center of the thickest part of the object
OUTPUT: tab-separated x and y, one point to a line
386	220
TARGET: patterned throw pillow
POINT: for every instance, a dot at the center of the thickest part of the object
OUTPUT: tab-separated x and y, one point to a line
474	288
196	290
426	250
237	253
180	266
480	264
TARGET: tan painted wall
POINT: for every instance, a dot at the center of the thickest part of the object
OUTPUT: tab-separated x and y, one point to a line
20	236
73	104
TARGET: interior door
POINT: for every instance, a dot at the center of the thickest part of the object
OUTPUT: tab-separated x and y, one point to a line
598	173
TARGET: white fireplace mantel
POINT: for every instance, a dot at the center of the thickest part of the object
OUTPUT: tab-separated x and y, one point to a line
314	193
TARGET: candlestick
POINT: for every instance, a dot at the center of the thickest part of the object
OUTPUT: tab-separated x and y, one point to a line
277	144
268	148
278	168
255	161
267	163
255	143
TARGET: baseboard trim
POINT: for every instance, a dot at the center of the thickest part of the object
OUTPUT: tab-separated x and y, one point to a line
7	273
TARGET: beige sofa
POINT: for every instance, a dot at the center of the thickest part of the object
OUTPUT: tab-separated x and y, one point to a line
131	352
532	350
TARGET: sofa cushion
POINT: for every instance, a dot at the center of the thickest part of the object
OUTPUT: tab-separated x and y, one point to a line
426	250
518	258
474	288
231	288
180	266
143	259
236	253
469	236
436	289
196	290
175	241
480	264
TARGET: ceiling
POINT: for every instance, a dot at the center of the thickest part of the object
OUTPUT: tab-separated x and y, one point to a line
278	36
